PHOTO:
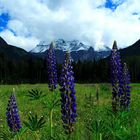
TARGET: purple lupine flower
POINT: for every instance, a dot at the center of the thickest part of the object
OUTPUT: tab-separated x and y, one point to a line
116	77
125	99
12	115
51	67
68	98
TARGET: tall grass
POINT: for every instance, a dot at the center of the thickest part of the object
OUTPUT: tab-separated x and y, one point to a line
95	119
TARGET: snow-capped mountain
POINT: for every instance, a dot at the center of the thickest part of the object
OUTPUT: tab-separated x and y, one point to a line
78	50
61	44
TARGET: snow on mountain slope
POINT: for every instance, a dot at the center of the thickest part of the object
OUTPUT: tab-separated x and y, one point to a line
61	44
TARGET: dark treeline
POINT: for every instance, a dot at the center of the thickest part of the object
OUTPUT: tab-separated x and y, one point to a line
35	70
91	71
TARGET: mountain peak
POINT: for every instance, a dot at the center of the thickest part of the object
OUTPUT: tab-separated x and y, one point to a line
61	44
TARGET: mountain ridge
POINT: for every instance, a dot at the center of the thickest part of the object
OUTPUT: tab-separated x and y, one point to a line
78	50
16	53
131	50
61	44
12	52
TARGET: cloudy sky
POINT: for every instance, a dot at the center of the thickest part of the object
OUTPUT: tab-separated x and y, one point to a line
25	23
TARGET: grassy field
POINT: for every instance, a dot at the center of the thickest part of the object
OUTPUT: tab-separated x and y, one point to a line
95	119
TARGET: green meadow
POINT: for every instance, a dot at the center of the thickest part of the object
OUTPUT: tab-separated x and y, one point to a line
95	120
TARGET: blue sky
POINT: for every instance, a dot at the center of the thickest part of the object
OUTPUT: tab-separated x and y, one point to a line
4	18
93	22
112	5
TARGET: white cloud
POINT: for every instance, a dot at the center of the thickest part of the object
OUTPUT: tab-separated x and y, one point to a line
19	41
37	20
18	27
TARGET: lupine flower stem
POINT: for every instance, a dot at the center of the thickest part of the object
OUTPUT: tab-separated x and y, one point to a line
12	115
100	136
97	92
125	99
69	137
51	123
18	137
116	77
52	80
68	98
51	67
120	80
51	112
36	135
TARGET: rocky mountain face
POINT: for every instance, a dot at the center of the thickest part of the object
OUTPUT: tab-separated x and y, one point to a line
78	50
61	44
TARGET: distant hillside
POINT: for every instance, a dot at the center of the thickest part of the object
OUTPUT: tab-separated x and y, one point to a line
12	52
18	65
132	50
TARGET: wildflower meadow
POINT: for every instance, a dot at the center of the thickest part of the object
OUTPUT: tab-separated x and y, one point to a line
64	110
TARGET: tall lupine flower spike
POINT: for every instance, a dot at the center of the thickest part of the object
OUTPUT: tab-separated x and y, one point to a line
116	77
125	99
68	98
12	115
51	67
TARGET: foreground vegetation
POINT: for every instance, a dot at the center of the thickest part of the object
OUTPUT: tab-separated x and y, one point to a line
95	119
